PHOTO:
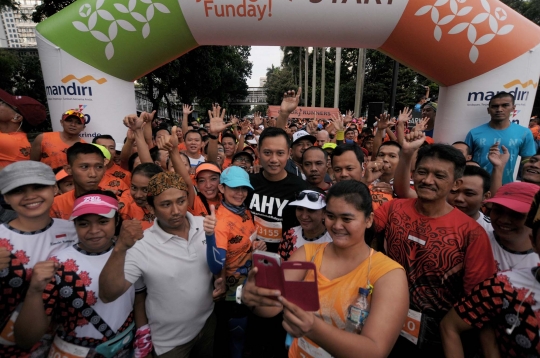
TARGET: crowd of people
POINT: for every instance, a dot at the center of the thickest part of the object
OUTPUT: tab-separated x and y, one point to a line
144	247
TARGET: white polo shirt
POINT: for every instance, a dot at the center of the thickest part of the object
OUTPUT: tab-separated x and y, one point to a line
178	282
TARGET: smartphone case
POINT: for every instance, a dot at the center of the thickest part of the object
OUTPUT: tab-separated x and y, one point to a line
270	275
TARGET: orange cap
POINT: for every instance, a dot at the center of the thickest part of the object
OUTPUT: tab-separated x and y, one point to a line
429	140
61	175
207	166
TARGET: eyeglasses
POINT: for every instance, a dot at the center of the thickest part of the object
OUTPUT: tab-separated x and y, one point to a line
73	112
242	159
311	196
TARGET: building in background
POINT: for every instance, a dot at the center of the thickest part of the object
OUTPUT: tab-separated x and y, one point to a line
262	81
16	32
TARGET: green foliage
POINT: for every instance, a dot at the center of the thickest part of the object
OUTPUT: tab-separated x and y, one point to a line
278	81
207	74
261	108
377	83
21	75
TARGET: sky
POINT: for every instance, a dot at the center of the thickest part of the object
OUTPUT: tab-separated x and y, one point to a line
262	57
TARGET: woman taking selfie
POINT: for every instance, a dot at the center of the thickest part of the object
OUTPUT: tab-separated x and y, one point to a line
344	266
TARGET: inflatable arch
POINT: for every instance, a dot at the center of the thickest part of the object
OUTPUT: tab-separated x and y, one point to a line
93	50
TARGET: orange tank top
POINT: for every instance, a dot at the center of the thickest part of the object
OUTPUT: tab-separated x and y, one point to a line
53	149
336	295
14	147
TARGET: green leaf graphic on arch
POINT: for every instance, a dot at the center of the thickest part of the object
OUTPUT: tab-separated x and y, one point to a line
121	37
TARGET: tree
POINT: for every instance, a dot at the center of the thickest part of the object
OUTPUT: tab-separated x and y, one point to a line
278	81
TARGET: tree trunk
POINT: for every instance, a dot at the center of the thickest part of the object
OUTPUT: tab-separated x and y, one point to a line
314	78
323	74
360	76
300	67
306	88
338	75
169	110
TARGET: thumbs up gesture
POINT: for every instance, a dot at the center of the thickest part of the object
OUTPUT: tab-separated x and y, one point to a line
210	221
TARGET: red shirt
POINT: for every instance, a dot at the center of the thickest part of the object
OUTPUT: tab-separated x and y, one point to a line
444	257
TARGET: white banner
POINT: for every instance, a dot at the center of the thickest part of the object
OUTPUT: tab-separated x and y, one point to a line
292	22
464	106
72	84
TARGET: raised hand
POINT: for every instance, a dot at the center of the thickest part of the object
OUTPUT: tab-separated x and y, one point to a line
133	122
422	125
217	122
5	258
374	170
257	119
337	120
187	110
147	117
290	101
130	233
42	274
311	127
348	117
168	142
496	158
383	121
412	141
245	127
404	116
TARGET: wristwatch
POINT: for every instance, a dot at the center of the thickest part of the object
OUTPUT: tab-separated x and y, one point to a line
239	294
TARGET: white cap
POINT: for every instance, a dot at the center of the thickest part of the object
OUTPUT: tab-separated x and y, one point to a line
119	147
305	202
251	141
303	135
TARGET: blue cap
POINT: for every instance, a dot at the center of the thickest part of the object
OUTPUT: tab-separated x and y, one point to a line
234	177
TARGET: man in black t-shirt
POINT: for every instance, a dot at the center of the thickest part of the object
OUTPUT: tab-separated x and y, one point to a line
274	188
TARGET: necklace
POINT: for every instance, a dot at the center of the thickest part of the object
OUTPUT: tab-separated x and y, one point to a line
314	238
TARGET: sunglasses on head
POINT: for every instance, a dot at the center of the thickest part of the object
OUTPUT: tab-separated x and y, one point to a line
311	196
73	112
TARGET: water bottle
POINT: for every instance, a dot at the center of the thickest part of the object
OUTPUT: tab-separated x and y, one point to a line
358	312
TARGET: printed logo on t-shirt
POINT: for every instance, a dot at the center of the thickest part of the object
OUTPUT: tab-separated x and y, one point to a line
268	205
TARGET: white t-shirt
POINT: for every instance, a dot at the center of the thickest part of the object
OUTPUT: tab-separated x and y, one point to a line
485	222
178	281
293	240
194	162
511	260
27	249
86	267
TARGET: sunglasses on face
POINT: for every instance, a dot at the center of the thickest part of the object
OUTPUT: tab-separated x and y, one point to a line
313	197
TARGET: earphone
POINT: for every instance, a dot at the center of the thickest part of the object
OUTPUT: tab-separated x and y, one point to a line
511	329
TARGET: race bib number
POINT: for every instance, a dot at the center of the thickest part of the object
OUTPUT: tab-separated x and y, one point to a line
7	337
268	231
308	350
411	328
63	349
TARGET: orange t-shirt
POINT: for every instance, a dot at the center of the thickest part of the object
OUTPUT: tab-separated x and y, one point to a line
14	147
62	206
182	146
133	211
199	209
535	132
336	295
53	150
227	162
120	173
378	198
234	235
113	183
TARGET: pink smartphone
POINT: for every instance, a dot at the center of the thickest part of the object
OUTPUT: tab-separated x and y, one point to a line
271	275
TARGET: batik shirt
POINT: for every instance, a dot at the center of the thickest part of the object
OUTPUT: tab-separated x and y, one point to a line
496	302
72	299
27	249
